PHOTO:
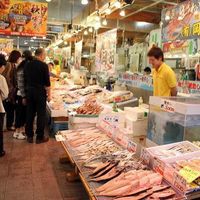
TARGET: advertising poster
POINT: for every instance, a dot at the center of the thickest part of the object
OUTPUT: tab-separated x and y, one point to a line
78	54
23	18
66	52
105	51
181	22
6	45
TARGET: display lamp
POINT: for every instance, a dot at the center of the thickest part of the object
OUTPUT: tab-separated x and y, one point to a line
84	2
117	4
122	13
90	29
85	32
105	23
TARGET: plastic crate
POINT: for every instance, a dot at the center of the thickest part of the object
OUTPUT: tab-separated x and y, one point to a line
57	126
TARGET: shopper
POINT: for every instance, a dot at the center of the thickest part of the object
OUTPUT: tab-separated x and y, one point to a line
3	95
147	71
57	67
10	75
164	78
37	93
21	97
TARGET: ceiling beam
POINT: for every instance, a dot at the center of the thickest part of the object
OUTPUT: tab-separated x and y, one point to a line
143	9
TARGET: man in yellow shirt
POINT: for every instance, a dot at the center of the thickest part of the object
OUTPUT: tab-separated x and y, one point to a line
164	78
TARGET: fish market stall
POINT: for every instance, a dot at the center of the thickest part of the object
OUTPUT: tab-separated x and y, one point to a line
109	168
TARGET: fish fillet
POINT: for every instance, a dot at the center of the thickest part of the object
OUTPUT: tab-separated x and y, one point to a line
99	168
107	169
111	174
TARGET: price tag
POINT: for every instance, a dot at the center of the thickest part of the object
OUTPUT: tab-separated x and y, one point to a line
132	146
189	174
158	166
180	183
145	156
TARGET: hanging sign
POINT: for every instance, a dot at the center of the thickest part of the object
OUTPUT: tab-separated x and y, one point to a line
181	22
78	54
6	45
23	18
105	51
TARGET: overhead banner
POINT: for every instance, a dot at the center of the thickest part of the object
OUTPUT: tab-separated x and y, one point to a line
23	18
66	52
78	54
105	51
6	45
181	22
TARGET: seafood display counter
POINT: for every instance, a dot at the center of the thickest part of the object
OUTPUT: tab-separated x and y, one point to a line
109	171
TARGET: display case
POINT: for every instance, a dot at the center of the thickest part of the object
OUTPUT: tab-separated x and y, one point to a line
173	119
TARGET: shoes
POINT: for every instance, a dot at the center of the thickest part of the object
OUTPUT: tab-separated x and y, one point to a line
15	135
2	153
12	128
39	141
19	136
30	139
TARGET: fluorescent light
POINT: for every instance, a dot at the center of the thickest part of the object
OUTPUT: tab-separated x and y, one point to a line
97	18
122	13
34	37
85	32
84	2
48	0
108	11
25	43
117	4
44	38
90	29
32	40
105	22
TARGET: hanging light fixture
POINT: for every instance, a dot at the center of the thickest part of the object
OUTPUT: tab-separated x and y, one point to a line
108	10
90	29
122	13
85	32
117	4
84	2
105	23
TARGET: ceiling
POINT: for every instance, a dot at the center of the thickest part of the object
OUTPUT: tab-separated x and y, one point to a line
60	13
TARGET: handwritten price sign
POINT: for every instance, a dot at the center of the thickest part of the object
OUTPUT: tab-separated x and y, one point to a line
145	156
158	166
189	174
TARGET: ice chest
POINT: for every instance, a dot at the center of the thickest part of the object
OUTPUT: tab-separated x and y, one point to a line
173	119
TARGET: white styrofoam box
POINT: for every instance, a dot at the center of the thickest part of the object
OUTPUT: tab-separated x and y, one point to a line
114	118
136	113
186	106
136	127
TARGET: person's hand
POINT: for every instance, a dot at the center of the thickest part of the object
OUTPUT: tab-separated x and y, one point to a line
48	98
24	101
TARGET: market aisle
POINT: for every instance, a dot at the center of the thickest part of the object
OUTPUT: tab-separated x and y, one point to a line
33	172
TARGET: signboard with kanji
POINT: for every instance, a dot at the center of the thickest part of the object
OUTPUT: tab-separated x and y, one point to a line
181	22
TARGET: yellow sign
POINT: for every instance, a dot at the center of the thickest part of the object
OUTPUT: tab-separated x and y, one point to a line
23	18
189	174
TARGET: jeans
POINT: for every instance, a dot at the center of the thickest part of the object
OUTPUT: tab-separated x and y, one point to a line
20	113
36	105
10	113
1	131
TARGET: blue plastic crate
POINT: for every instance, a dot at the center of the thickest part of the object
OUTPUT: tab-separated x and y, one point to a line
58	126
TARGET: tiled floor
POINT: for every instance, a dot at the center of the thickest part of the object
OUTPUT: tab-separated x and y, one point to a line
33	172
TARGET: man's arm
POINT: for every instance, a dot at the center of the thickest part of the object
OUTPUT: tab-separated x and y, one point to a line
47	83
174	91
